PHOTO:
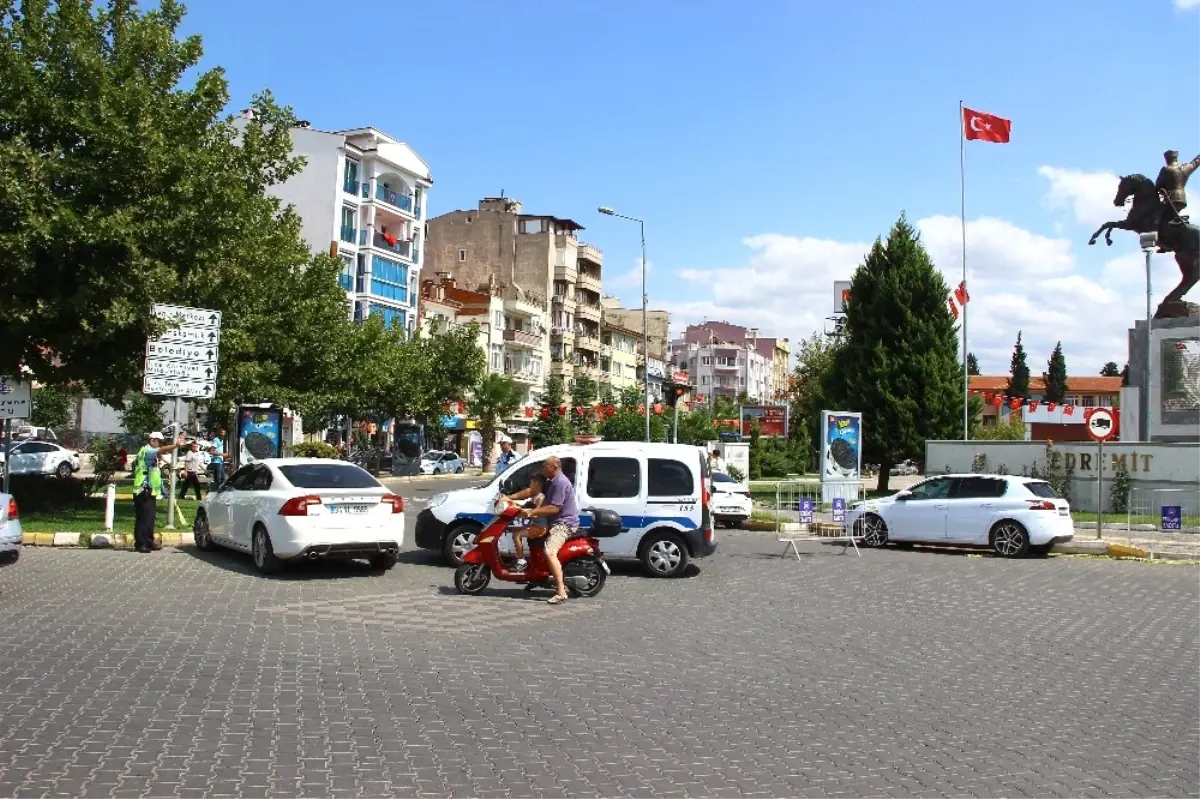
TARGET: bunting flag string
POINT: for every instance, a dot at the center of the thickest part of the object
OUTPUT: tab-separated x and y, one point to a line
999	400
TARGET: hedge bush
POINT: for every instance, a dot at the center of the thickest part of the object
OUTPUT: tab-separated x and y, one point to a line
38	493
314	449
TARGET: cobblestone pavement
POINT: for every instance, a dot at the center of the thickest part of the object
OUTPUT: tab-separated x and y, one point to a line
897	674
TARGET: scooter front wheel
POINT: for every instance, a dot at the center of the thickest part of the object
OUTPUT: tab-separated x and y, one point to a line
472	578
585	577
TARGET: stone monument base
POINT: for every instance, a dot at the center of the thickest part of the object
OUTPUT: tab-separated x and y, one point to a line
1171	402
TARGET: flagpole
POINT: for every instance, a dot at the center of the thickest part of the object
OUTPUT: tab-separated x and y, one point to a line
962	194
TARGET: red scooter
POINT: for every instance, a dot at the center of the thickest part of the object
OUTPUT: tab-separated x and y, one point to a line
584	569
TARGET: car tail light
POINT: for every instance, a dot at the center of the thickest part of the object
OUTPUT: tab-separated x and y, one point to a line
1042	504
745	494
396	500
12	508
298	506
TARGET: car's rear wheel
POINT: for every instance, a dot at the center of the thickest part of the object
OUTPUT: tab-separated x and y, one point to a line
63	470
458	542
1010	539
264	554
664	555
200	532
873	530
383	561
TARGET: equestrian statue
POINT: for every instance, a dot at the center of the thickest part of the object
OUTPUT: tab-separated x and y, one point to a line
1158	208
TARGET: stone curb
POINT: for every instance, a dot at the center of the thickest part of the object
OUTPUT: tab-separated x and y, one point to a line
101	540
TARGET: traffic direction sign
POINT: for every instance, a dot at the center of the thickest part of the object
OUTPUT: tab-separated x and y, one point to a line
175	387
1101	423
180	352
188	370
187	334
181	314
14	399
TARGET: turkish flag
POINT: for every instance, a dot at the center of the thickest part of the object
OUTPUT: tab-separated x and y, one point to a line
1068	410
998	400
953	307
1033	405
961	294
529	413
1050	406
987	396
986	127
1015	403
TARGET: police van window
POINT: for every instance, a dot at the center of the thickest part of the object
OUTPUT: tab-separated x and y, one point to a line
668	478
518	479
614	478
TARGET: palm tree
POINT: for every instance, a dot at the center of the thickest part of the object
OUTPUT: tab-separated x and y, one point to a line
496	397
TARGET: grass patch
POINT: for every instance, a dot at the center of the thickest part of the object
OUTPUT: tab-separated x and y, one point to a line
89	517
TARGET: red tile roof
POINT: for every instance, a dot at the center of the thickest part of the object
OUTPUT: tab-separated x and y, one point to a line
1075	385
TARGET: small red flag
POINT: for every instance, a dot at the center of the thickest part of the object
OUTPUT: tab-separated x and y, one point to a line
961	294
1068	410
953	307
998	400
1050	406
986	127
529	413
1033	405
1015	403
987	396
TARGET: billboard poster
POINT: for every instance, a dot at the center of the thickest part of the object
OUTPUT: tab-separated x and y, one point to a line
841	446
260	433
1179	402
772	420
841	295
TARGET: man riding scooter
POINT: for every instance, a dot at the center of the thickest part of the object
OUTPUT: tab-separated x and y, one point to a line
561	509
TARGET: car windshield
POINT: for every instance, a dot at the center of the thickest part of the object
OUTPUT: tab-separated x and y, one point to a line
1043	490
432	455
328	475
720	477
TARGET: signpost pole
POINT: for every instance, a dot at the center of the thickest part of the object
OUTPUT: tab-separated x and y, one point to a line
675	426
174	472
7	453
1099	489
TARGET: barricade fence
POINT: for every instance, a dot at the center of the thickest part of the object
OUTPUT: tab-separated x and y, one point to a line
783	501
1167	510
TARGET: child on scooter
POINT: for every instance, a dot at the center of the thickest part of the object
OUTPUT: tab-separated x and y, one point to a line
537	494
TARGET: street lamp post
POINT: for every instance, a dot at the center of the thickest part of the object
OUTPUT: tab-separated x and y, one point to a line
645	328
1148	242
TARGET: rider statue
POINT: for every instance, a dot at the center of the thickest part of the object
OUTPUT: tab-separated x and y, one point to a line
1172	181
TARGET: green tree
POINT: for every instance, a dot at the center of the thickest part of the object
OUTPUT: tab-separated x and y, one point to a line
816	357
496	397
972	364
52	407
900	365
583	398
550	428
142	415
1125	374
1055	376
1007	428
1110	369
628	423
1018	373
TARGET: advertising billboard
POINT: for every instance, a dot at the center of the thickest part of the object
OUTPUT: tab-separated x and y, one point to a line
841	294
841	446
1179	395
772	420
260	433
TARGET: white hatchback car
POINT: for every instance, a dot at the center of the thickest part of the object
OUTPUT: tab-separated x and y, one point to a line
1012	515
731	502
291	509
42	457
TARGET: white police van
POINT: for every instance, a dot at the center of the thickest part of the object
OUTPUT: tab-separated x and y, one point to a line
661	491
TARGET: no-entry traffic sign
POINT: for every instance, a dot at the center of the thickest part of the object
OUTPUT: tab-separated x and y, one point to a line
1102	423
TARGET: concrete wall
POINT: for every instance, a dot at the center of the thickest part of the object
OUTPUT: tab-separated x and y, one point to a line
316	191
1151	465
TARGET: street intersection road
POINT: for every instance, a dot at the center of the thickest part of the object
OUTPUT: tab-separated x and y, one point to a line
903	673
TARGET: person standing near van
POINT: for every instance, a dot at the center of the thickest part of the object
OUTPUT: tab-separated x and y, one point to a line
217	459
507	457
715	462
147	485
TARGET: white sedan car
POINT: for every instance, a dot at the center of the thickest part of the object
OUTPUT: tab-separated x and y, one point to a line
731	503
291	509
42	457
10	529
1012	515
437	462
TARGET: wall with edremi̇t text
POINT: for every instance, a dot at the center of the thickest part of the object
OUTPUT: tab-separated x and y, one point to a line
1150	466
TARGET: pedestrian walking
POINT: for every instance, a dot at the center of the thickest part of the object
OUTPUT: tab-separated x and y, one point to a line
147	485
216	461
193	464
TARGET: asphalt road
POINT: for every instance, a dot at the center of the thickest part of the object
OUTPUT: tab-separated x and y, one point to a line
903	673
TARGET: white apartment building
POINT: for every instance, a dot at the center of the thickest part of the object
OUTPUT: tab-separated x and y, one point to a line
724	369
362	197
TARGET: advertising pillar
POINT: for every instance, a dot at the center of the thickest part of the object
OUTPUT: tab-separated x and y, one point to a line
841	455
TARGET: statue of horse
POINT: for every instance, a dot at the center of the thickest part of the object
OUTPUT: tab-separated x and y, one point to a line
1149	213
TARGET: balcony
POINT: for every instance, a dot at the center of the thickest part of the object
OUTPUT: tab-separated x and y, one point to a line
350	186
586	341
524	303
401	201
590	312
402	248
522	373
726	367
587	252
567	273
523	338
561	368
588	281
587	370
349	234
566	301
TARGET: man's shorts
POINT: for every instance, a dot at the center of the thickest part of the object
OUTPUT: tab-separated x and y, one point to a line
558	535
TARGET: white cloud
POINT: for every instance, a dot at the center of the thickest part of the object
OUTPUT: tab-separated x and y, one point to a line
1088	195
1184	5
630	280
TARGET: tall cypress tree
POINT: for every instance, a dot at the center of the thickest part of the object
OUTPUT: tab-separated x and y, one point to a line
1056	376
972	364
899	363
1018	373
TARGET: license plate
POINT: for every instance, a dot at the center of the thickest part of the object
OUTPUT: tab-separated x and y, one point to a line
349	508
1063	512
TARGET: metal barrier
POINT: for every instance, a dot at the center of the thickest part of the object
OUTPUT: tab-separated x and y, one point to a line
1166	510
801	515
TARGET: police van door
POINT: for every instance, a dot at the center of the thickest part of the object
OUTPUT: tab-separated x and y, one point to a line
617	482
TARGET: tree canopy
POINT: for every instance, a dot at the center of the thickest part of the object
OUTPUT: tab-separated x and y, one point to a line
1055	376
1018	372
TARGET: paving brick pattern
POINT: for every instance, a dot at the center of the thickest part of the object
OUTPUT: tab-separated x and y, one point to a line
897	674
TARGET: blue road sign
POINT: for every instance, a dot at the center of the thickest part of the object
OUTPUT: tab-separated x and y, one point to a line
839	510
806	511
1172	517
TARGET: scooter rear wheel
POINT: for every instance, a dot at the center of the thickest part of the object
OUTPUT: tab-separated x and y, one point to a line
472	578
591	570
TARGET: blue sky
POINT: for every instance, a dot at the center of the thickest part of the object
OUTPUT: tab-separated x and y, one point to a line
766	146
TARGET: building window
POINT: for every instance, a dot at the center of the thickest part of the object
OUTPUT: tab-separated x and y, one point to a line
389	279
1089	401
497	358
470	219
350	177
392	317
498	320
706	360
346	276
462	256
349	234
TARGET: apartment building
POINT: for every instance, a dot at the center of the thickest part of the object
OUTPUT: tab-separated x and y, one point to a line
658	323
620	356
725	369
361	197
537	256
765	376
